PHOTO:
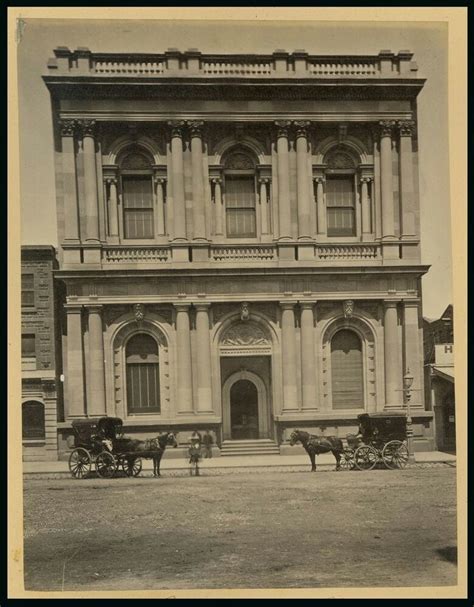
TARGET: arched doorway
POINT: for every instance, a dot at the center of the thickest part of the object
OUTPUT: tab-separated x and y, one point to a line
243	410
245	407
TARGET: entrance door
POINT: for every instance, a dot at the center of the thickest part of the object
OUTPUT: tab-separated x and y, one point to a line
244	410
449	424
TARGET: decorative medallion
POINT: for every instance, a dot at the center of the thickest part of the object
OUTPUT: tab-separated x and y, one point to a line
348	308
239	160
339	159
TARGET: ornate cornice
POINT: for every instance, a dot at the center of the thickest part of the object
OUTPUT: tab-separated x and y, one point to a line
407	127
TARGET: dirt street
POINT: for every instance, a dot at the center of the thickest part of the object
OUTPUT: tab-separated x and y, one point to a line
274	529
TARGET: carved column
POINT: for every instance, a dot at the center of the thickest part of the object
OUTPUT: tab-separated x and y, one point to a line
388	227
96	362
75	394
199	216
183	345
111	183
90	181
304	216
308	366
264	204
177	176
391	346
365	203
408	227
204	389
284	211
218	210
71	215
288	338
160	183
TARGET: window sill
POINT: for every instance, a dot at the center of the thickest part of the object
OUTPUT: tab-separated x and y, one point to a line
34	442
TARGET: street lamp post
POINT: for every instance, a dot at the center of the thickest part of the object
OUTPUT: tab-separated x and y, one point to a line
407	384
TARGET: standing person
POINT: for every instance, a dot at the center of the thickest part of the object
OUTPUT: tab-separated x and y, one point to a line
197	434
208	441
194	455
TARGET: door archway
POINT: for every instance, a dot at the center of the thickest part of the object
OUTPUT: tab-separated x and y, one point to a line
245	410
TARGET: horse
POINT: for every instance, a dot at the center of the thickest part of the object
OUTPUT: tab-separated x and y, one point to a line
152	448
314	445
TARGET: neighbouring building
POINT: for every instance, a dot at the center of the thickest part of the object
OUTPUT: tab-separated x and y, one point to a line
41	391
439	377
239	239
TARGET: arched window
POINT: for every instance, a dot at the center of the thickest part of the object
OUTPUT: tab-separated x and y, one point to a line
347	370
137	195
340	193
143	379
240	194
33	420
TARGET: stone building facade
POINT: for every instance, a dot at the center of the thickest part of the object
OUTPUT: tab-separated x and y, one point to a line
438	346
239	240
41	398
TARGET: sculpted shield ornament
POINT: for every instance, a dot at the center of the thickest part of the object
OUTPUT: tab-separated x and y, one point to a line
139	312
348	308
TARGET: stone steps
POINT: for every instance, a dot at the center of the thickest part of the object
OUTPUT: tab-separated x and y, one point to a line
264	446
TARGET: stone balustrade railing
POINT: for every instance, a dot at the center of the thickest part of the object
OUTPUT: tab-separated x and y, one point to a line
139	254
348	252
243	253
192	63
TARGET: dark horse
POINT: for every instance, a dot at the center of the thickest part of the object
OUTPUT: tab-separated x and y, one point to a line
314	445
152	448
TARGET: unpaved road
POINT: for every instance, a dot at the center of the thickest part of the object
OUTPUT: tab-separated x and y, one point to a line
268	530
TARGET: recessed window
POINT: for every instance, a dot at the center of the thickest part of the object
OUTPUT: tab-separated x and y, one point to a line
33	425
240	195
347	371
137	197
143	378
28	345
340	202
27	290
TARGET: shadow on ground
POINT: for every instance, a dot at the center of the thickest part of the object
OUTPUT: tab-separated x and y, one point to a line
449	553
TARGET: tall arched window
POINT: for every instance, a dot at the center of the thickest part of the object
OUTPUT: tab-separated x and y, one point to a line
137	195
340	193
347	371
240	194
143	378
33	420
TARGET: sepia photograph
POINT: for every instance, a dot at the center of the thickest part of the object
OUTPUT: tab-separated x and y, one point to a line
237	304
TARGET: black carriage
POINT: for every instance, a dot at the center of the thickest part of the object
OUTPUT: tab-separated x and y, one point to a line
100	442
382	438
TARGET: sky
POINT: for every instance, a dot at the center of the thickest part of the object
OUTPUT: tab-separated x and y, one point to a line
428	41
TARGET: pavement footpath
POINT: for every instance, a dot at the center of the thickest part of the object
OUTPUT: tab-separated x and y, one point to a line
58	469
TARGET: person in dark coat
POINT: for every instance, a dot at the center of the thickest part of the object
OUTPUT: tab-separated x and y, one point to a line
207	441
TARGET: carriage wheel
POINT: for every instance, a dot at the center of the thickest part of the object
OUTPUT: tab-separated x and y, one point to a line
132	466
347	460
105	465
365	457
395	455
80	463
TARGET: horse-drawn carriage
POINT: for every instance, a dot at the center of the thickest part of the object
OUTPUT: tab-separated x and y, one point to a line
382	438
100	442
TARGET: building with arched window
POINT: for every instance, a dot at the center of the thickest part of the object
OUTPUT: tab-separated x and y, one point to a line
239	242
